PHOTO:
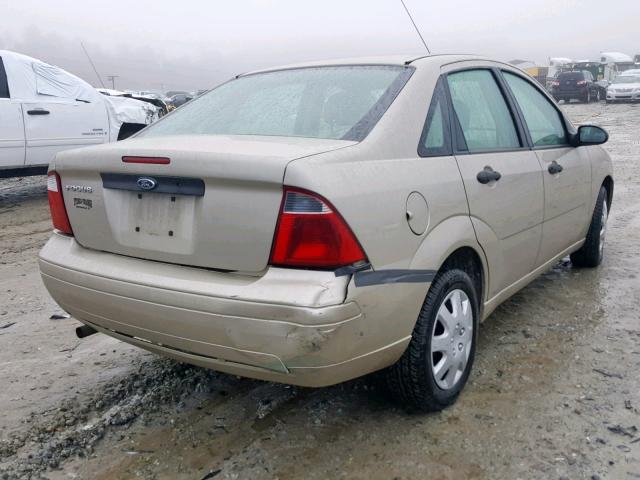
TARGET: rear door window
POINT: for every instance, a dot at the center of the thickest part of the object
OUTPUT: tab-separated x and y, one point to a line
435	139
482	112
4	84
543	121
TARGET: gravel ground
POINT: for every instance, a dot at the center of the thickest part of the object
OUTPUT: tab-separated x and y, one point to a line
555	391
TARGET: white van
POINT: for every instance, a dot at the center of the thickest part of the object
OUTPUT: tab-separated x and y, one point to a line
44	110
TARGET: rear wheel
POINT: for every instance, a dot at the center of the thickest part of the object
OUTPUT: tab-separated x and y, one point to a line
587	97
592	252
436	365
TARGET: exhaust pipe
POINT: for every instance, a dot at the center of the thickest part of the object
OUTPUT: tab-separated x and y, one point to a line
85	331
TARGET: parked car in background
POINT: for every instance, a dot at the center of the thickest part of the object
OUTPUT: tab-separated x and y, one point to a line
153	99
625	87
171	93
315	223
180	99
45	110
579	85
556	66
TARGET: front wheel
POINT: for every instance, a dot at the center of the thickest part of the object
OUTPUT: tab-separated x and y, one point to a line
436	365
592	252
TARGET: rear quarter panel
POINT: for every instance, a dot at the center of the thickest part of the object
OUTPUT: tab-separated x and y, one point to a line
601	168
369	184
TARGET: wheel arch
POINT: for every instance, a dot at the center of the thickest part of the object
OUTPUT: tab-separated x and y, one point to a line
607	183
468	260
127	129
438	252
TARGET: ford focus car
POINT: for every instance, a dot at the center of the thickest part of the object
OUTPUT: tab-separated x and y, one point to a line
314	223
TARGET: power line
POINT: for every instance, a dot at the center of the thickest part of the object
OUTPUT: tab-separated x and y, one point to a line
415	26
91	62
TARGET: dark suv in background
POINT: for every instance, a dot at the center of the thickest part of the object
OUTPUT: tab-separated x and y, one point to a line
578	84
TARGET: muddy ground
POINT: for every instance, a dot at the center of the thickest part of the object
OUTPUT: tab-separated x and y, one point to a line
554	394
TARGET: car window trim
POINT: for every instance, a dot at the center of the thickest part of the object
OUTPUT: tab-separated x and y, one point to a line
456	128
366	124
516	105
4	82
439	96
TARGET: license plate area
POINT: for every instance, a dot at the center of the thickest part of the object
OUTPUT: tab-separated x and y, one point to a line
152	221
156	214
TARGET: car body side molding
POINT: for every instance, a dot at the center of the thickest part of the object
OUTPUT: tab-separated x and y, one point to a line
364	279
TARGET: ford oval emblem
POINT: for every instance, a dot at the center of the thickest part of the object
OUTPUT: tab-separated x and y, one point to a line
146	183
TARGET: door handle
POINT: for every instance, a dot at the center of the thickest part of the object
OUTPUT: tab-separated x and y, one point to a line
38	111
555	167
488	175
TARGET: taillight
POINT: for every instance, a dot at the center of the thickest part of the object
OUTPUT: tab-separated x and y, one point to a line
582	82
555	83
312	234
56	204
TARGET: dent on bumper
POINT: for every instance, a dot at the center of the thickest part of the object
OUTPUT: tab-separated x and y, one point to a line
287	325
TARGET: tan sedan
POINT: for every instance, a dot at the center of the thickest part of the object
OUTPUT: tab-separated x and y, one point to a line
314	223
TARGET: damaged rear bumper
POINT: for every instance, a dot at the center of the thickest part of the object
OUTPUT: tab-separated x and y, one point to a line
291	326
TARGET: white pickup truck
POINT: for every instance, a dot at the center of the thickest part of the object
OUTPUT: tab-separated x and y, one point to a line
44	110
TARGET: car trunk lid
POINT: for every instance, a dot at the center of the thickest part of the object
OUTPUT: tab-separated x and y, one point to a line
215	203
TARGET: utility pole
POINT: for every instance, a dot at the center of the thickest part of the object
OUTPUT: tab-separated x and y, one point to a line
112	79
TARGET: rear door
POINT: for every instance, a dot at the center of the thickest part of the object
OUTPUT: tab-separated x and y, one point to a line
501	175
64	113
11	126
60	124
566	171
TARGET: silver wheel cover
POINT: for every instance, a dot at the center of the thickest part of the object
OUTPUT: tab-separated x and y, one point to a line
451	339
603	227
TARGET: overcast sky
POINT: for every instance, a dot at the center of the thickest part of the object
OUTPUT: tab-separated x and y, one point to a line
195	44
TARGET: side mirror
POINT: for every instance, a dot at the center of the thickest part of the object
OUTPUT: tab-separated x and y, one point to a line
590	135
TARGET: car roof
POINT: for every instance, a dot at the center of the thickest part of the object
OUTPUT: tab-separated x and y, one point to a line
398	59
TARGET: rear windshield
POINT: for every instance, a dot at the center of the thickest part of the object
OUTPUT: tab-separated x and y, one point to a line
571	76
342	102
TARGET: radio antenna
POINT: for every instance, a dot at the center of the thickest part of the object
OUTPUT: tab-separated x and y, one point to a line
415	26
92	65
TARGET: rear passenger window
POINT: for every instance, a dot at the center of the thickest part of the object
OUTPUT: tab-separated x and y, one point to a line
4	85
435	139
482	111
543	120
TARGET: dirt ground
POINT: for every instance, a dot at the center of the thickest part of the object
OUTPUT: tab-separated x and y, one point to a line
554	394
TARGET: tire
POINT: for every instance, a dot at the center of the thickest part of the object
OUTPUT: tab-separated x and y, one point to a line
587	97
597	96
591	253
412	380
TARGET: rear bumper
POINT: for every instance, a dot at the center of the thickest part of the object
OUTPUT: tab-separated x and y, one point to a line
291	326
578	93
